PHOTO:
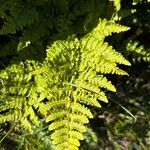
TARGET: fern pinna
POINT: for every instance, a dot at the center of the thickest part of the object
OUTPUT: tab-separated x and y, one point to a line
62	87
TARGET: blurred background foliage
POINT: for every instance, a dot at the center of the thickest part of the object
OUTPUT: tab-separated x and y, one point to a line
124	123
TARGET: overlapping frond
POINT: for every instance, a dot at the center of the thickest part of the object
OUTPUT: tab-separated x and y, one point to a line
139	51
16	16
16	87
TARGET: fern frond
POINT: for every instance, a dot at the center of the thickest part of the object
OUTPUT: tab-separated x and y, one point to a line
73	71
16	15
70	78
16	85
139	51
